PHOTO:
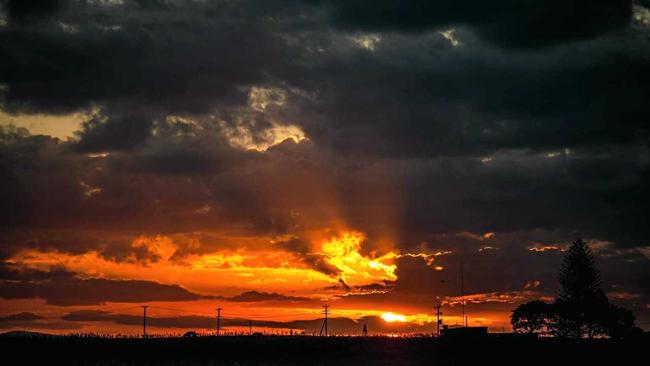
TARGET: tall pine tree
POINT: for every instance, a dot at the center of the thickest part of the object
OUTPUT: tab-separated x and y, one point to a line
581	301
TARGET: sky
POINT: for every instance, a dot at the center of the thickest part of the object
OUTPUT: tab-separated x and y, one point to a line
268	157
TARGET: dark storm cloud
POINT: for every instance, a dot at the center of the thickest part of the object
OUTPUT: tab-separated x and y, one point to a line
419	96
572	192
190	321
425	97
64	289
34	321
113	133
36	161
109	244
257	296
25	316
304	250
42	325
180	56
506	22
21	11
28	275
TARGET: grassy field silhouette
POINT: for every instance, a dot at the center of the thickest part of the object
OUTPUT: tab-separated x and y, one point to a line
300	350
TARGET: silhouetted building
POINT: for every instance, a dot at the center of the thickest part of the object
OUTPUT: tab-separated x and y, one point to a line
465	332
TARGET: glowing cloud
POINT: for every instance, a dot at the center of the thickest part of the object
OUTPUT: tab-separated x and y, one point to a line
260	98
451	37
343	252
59	126
245	137
211	273
367	41
539	248
89	190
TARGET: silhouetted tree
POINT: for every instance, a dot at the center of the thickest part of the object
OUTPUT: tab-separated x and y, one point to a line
558	323
581	302
618	322
530	317
581	308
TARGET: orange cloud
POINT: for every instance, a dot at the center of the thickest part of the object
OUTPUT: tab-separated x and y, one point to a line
218	273
540	248
343	252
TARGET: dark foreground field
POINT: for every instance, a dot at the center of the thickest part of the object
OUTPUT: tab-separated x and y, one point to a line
320	351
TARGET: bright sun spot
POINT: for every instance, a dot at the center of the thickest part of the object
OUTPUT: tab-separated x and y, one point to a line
392	317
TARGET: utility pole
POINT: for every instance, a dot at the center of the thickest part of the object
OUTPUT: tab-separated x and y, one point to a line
250	327
218	320
326	311
324	326
144	321
462	293
438	313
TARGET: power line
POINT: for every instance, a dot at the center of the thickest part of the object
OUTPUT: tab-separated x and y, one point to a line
124	308
259	316
182	310
232	315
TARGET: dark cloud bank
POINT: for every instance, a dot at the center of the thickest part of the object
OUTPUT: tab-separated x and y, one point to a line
534	126
63	288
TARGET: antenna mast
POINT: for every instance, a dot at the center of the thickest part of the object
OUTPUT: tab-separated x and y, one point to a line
462	293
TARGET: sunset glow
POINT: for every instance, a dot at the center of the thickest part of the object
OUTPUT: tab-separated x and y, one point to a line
392	317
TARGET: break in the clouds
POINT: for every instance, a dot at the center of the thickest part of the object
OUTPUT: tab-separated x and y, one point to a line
295	151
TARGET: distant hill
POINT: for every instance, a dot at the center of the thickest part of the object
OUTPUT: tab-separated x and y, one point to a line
27	334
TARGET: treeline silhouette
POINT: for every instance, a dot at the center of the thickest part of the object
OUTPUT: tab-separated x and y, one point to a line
581	309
